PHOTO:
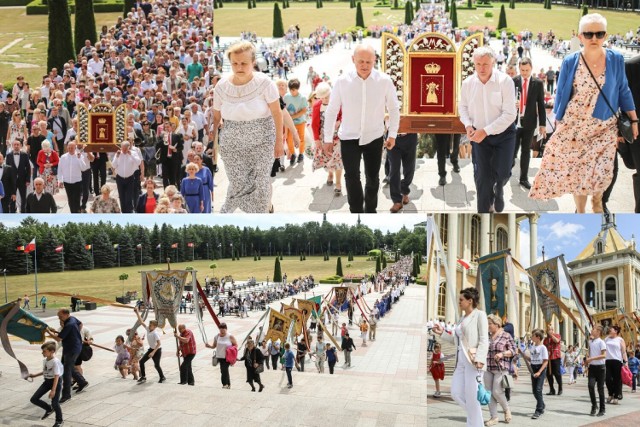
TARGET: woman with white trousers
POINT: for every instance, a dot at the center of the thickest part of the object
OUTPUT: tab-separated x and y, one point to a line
470	335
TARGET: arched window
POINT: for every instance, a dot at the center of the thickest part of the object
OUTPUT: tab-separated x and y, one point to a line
475	236
502	239
442	291
444	229
590	294
599	247
610	294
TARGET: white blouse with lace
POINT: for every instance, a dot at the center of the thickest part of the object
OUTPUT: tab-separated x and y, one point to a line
245	102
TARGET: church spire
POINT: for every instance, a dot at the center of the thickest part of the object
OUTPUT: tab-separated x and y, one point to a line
359	222
608	221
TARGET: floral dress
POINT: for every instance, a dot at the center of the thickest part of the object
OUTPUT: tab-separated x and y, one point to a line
578	158
50	177
320	158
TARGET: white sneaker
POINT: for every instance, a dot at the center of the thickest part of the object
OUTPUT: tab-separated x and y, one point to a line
436	394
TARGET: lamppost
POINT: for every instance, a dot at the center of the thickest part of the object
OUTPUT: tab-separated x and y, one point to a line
5	285
220	250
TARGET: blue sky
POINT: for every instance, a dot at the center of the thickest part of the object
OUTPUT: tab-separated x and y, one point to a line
380	222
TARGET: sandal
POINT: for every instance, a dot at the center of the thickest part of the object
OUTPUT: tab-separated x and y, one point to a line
337	192
329	182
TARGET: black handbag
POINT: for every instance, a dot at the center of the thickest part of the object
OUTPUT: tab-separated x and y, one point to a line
623	121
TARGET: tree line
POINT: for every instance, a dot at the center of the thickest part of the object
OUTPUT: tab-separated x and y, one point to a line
104	244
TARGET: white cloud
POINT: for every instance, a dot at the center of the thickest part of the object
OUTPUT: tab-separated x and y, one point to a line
565	230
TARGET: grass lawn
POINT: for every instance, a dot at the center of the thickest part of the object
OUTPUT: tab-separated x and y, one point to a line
234	18
104	283
30	62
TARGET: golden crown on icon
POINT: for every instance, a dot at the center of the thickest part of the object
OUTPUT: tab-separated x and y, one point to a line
102	121
432	68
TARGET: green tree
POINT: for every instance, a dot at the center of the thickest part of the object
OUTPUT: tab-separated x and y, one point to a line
469	4
512	4
446	5
128	5
17	262
454	14
359	16
60	48
85	23
395	4
127	250
76	253
278	27
220	5
249	4
585	10
384	261
254	4
408	12
417	5
502	20
352	4
339	262
378	264
48	258
213	268
277	272
104	256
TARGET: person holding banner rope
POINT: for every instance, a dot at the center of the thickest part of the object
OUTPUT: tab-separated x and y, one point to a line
155	348
471	339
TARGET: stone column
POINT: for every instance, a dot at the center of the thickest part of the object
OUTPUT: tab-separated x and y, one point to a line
451	312
533	239
485	227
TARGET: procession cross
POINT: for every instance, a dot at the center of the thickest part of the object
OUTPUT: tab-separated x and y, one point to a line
433	24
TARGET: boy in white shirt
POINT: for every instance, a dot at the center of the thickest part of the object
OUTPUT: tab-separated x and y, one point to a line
52	371
539	360
596	363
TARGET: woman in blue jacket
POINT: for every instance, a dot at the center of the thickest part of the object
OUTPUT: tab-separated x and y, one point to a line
579	157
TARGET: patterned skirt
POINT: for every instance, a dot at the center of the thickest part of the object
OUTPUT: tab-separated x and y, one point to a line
246	147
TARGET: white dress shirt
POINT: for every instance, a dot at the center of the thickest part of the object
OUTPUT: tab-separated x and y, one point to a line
126	164
490	106
70	168
363	104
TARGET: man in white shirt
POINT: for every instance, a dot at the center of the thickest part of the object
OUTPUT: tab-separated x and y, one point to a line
488	112
363	94
70	175
95	65
125	163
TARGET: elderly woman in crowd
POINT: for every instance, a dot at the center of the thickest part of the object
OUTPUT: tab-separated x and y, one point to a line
332	163
204	173
17	129
251	133
253	359
48	167
105	203
148	200
592	87
502	348
193	190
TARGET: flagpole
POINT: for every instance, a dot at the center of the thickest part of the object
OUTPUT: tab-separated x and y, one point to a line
118	256
62	256
35	253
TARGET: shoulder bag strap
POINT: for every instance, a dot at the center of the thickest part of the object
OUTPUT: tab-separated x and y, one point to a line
598	85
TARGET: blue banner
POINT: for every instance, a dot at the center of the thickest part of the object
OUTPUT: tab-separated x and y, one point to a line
492	271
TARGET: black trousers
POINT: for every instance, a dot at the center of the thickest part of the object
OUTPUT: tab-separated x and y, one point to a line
224	371
443	147
635	152
332	365
156	362
45	388
74	194
126	191
523	139
596	376
607	193
68	363
492	160
614	378
186	371
99	172
86	186
274	361
362	201
170	172
536	387
402	155
554	371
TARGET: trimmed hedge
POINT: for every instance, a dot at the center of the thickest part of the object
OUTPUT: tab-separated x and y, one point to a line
14	2
39	7
331	280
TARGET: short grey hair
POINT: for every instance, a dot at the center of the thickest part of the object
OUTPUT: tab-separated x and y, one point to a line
45	144
592	18
484	51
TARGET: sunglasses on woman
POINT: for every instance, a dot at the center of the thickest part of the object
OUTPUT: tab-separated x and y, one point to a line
589	34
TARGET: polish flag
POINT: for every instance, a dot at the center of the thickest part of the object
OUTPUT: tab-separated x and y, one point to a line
464	263
190	244
31	246
59	249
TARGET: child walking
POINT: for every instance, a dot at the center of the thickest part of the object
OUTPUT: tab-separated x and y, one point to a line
437	368
539	359
364	329
633	364
122	357
52	370
136	351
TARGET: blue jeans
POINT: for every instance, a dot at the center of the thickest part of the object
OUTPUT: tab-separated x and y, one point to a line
536	387
289	379
492	160
45	388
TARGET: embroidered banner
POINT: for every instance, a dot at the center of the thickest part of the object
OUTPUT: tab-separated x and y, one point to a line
491	280
166	288
295	315
278	327
306	307
545	274
341	293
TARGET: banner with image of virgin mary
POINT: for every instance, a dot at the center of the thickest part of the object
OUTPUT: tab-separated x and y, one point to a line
165	289
545	274
491	280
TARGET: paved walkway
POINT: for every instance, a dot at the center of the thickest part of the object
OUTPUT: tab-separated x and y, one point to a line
299	189
569	410
385	387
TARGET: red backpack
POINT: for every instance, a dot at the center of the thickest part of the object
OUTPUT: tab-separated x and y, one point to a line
232	354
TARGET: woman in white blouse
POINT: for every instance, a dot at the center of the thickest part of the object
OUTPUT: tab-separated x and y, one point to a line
248	105
471	336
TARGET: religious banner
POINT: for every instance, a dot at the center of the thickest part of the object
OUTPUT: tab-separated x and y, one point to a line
306	307
587	322
278	327
295	315
22	324
103	128
341	295
165	288
317	302
491	282
545	274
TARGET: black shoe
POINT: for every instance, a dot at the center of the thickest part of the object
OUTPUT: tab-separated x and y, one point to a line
82	387
46	414
58	424
601	414
162	379
215	168
292	160
300	158
551	393
594	410
559	392
456	168
64	399
253	389
498	205
191	383
142	379
261	388
526	184
535	416
181	383
442	181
